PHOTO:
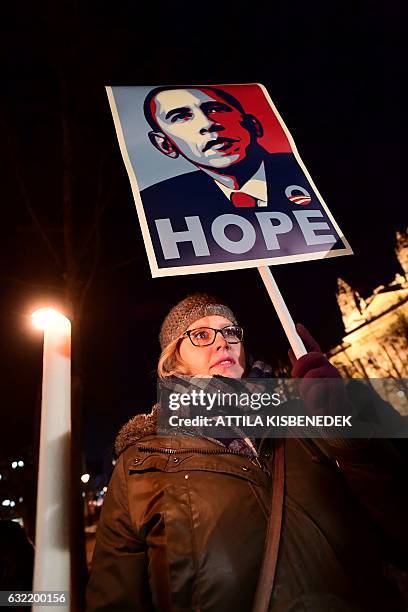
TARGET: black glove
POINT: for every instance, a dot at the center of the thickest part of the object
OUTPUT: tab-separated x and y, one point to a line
321	388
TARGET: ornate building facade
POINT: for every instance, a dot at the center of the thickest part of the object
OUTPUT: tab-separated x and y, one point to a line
376	340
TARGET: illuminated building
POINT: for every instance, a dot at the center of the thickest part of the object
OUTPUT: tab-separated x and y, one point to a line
376	340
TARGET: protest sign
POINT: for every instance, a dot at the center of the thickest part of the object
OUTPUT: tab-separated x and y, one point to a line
217	180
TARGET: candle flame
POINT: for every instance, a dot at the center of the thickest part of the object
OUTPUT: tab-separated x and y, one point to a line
47	318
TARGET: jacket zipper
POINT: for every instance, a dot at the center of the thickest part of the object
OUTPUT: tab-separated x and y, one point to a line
202	451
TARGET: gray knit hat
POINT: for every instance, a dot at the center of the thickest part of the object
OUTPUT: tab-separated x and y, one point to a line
187	311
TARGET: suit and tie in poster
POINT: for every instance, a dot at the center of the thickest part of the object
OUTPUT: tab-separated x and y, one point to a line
217	180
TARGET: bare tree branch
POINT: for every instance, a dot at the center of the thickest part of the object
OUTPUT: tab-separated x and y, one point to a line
25	196
120	264
102	203
67	180
93	233
91	275
21	281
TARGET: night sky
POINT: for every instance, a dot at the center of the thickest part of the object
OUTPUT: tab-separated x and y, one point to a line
335	74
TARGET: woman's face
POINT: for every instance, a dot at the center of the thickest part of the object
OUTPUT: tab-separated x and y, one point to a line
219	358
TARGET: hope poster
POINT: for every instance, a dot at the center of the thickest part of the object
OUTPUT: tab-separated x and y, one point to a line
217	180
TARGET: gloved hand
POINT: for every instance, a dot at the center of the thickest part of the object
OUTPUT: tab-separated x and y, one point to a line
321	388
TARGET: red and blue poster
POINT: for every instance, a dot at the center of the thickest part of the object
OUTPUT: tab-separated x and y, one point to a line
217	180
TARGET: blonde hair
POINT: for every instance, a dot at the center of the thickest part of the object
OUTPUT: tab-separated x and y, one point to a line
170	362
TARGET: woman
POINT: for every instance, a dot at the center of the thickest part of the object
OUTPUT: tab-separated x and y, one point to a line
184	521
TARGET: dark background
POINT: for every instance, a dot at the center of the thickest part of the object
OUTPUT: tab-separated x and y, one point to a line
335	72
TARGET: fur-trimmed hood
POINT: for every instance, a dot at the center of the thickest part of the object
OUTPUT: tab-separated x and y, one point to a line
138	427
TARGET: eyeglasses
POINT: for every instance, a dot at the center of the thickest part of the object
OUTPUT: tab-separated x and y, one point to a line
204	336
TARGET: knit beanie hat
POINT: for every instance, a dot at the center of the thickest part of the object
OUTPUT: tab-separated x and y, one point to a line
187	311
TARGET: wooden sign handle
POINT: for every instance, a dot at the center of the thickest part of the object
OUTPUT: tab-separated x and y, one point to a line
282	311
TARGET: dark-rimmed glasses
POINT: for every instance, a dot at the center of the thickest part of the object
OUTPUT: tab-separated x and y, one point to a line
204	336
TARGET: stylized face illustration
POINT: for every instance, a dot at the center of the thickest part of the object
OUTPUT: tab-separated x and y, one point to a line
201	126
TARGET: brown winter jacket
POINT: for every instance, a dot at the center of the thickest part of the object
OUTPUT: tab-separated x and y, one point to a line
183	527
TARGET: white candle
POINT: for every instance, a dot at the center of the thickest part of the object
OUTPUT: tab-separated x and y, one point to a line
52	550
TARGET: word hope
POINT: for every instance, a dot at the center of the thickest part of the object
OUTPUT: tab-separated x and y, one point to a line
271	224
